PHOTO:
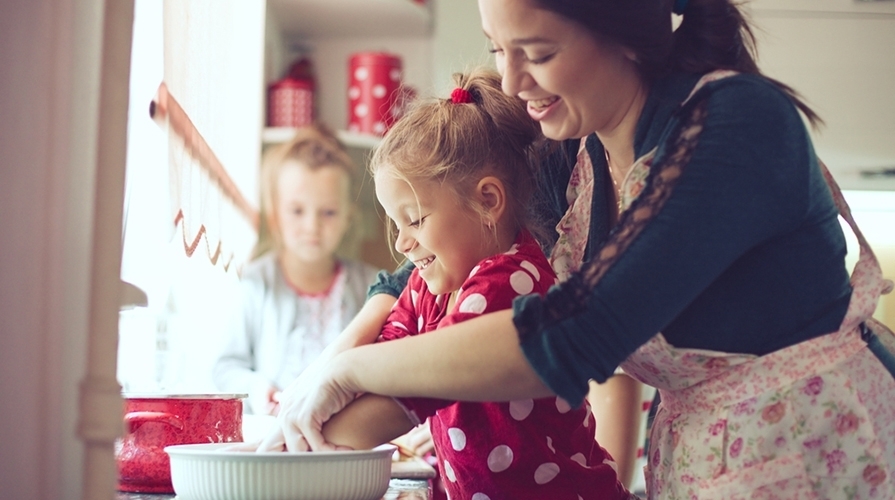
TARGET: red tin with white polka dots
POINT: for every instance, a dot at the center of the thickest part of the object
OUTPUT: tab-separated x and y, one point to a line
290	100
290	103
373	96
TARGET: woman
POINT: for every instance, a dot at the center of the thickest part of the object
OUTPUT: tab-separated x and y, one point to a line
696	208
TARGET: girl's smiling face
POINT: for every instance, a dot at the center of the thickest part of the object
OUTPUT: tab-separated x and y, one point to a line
573	83
443	237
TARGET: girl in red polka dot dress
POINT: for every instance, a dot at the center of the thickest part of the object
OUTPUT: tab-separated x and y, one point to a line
455	176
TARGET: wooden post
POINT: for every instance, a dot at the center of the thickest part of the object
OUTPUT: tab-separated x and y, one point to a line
100	412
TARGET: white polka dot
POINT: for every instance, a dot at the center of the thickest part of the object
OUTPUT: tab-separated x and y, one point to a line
353	93
419	324
528	266
562	406
378	91
458	438
546	472
379	128
361	110
449	472
521	282
400	325
513	249
500	458
395	75
520	410
580	459
361	74
474	303
550	444
474	270
480	496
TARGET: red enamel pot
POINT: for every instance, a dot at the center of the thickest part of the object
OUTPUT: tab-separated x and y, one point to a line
152	422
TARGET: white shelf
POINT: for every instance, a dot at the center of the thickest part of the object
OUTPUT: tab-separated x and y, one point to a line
277	135
305	19
822	7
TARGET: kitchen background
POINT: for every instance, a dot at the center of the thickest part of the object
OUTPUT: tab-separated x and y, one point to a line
74	107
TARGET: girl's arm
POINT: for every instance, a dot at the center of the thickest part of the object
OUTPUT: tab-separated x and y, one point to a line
364	327
367	422
616	405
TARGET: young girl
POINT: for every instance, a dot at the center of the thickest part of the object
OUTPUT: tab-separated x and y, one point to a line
454	177
298	295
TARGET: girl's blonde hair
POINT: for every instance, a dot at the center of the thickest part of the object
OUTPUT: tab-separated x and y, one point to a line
314	146
457	143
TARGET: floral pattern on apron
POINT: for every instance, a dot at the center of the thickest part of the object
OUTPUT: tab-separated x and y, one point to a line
573	228
568	252
811	421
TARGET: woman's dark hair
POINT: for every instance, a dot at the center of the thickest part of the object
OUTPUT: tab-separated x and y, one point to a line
713	34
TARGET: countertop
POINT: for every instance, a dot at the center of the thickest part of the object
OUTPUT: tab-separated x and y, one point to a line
398	489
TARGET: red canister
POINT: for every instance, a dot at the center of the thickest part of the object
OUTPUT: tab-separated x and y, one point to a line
155	421
290	100
373	82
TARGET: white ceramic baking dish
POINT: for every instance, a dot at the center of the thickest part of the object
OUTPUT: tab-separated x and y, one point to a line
211	472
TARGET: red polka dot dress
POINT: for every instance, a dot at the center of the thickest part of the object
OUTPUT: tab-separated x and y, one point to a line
527	449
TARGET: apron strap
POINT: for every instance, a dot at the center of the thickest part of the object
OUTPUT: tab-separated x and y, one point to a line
866	278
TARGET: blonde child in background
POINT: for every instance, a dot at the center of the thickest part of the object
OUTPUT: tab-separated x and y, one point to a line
298	295
455	177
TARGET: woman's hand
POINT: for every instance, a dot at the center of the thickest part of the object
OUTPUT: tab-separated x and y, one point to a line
305	405
297	397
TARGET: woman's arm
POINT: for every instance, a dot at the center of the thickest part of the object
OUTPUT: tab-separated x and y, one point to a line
476	360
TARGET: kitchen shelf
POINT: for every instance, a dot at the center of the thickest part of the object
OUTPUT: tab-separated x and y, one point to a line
822	7
304	19
276	135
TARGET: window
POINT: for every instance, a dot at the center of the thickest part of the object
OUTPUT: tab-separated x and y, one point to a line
185	231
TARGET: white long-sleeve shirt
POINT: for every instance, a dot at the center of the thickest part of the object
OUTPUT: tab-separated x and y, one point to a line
278	332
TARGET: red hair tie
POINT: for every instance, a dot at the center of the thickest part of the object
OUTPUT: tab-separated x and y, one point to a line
461	96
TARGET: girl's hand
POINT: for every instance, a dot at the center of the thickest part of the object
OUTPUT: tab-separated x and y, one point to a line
419	439
261	398
305	405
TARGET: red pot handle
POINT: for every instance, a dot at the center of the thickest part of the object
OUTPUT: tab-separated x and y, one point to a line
135	419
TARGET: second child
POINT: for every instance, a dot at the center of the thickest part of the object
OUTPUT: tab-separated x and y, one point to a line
298	295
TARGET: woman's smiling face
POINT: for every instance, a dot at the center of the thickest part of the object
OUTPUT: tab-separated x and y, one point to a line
573	83
439	234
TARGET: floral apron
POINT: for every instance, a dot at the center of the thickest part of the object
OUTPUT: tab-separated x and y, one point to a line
814	420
